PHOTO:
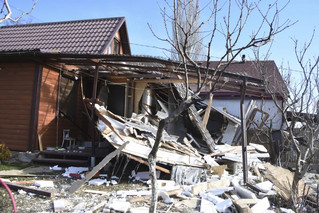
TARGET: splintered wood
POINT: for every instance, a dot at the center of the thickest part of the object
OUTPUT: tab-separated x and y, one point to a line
141	137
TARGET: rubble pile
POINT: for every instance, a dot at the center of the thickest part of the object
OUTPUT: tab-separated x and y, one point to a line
266	191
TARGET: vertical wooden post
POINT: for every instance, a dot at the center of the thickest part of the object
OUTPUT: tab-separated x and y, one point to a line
94	91
33	127
243	129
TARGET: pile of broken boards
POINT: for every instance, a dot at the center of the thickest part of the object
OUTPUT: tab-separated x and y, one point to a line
201	175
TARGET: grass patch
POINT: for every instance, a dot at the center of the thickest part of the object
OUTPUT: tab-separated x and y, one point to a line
12	166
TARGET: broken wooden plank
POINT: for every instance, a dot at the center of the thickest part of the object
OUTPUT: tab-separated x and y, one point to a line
197	119
139	149
96	192
146	163
13	186
76	185
207	111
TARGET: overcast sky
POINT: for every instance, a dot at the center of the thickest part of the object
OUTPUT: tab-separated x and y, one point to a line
140	12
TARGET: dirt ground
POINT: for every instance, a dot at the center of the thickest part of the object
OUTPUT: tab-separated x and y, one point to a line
83	201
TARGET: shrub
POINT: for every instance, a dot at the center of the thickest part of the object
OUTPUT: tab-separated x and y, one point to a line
5	153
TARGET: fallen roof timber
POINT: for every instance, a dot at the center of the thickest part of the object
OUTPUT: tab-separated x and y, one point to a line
197	119
141	147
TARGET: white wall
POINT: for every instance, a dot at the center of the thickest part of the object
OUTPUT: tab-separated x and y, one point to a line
233	108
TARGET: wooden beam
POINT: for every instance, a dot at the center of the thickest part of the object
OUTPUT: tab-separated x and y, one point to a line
13	186
207	112
146	163
76	185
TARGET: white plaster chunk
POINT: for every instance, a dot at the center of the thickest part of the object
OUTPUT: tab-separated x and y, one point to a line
244	193
224	205
56	168
59	205
117	205
124	193
113	182
167	185
207	206
261	206
76	170
44	184
166	199
97	182
265	186
220	191
258	147
212	198
210	161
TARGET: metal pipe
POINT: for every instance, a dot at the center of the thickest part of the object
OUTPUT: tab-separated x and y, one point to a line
243	129
94	91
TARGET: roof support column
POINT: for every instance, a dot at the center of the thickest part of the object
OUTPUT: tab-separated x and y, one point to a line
243	129
94	91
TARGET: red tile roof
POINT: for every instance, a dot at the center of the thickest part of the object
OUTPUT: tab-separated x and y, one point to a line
82	36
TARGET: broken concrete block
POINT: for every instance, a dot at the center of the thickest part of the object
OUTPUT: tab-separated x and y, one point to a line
207	206
224	205
59	205
44	183
244	193
261	206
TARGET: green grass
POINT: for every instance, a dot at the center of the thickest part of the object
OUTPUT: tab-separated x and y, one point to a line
4	166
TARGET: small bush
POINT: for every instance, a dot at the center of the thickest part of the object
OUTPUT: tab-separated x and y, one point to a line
5	153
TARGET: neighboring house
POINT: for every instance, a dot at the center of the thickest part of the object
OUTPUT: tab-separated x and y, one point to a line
29	87
264	70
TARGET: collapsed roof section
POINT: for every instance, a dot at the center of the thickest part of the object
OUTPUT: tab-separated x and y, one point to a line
148	69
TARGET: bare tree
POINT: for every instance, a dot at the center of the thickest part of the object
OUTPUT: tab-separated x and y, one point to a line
300	115
187	18
6	12
229	20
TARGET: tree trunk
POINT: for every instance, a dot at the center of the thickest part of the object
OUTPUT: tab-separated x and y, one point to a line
152	155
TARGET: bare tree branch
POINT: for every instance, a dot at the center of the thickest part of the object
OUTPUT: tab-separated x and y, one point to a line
8	12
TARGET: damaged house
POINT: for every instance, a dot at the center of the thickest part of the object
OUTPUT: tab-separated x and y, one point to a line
79	76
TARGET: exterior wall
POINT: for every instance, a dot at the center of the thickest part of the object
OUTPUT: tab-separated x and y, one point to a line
47	124
233	108
16	89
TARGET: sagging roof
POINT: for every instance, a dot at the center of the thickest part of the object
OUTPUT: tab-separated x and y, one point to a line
138	68
265	70
82	36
